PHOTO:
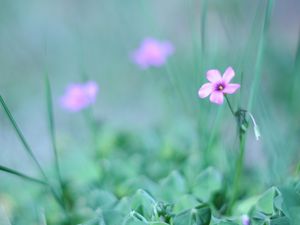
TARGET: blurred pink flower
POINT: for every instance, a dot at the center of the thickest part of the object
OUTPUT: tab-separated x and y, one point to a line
245	220
79	96
218	85
152	53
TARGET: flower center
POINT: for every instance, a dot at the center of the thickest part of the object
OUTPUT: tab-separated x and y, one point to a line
220	87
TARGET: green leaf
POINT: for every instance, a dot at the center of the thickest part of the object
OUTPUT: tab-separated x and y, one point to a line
291	204
203	215
133	221
184	218
259	218
226	223
173	186
101	199
112	217
280	221
123	205
266	202
143	203
200	215
184	202
130	186
243	207
158	223
207	183
94	221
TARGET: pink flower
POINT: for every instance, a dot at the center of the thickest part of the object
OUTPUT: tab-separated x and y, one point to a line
152	53
218	85
245	220
79	96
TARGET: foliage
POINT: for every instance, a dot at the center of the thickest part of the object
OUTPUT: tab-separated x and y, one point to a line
129	142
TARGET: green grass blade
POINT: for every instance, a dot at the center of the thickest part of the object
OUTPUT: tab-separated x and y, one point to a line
295	78
59	198
202	61
246	52
259	59
202	53
52	126
21	136
23	176
29	151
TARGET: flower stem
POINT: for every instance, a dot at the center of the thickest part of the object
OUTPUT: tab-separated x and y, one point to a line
93	128
242	126
96	154
230	106
238	171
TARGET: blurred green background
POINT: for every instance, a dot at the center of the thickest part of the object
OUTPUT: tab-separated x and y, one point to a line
156	108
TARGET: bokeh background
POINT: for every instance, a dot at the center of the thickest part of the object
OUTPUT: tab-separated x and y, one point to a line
73	40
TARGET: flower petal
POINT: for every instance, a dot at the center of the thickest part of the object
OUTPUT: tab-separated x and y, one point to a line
91	89
228	74
231	88
205	90
213	76
167	48
217	97
79	96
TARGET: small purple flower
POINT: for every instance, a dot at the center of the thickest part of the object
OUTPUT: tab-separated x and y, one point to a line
79	96
152	53
218	85
245	220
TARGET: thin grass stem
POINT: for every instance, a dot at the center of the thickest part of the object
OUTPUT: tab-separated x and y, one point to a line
175	85
21	175
21	137
238	172
259	58
204	9
52	129
61	198
30	152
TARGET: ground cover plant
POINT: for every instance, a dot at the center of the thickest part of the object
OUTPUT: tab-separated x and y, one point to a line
149	112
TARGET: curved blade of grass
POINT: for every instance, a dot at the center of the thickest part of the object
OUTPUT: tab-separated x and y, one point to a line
295	78
23	176
202	53
21	136
28	150
204	10
174	83
52	127
259	59
246	52
59	198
